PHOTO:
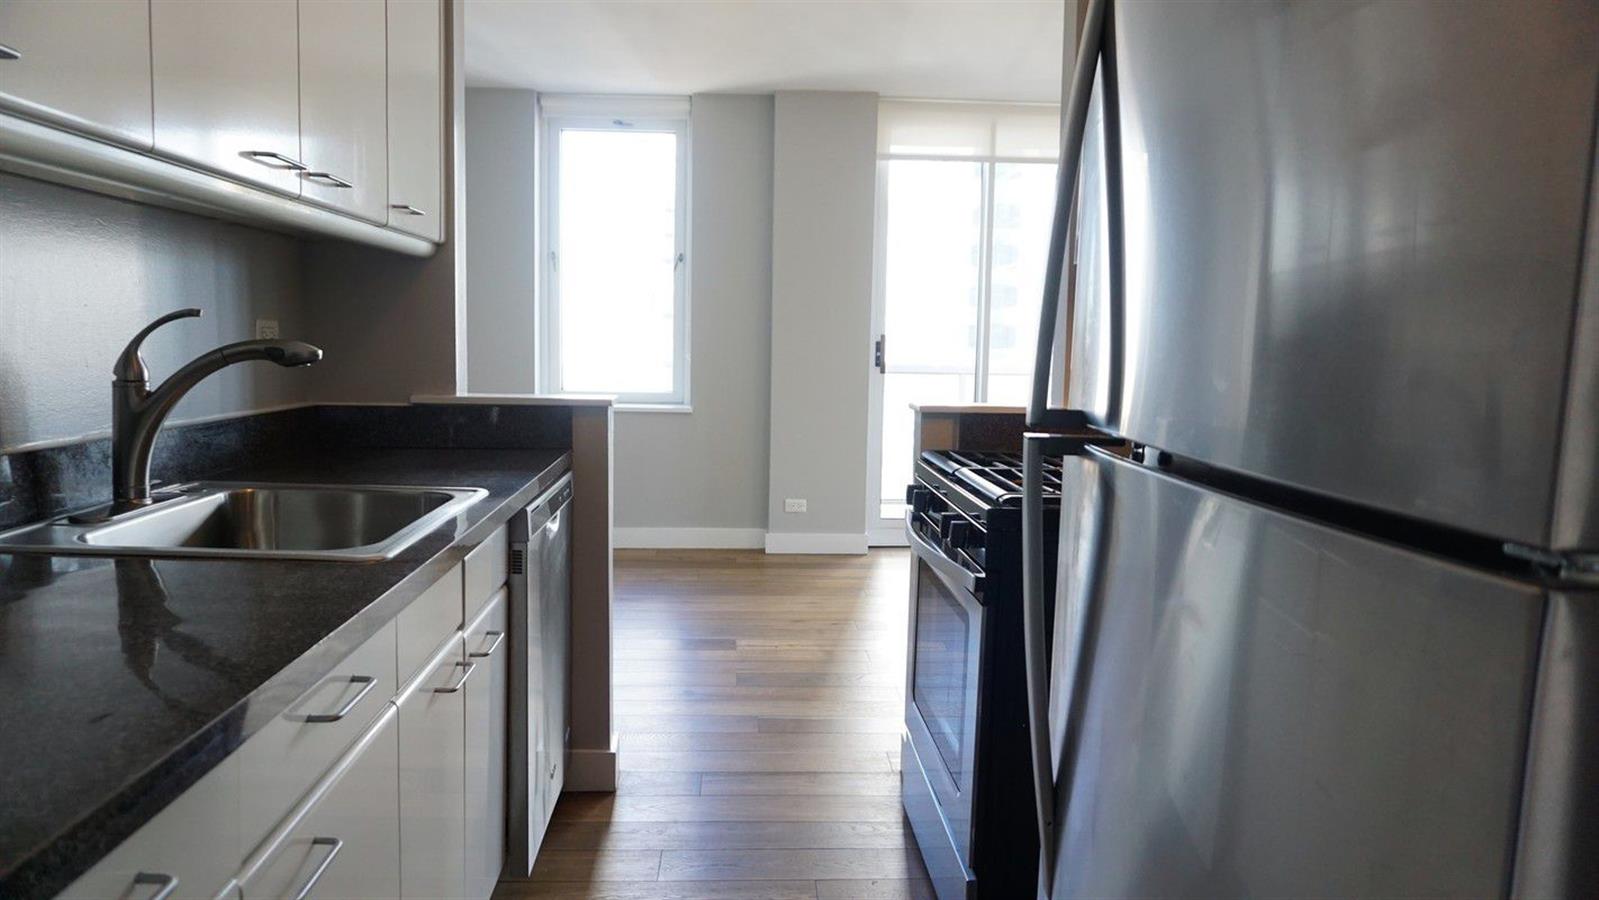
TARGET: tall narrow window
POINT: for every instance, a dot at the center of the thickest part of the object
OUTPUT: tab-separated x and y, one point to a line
614	315
965	205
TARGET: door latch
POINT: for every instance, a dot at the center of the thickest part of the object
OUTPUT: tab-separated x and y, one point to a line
878	359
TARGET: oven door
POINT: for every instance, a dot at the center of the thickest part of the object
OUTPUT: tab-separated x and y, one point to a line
943	664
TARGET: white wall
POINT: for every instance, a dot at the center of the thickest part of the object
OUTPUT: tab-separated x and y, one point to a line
823	184
501	257
695	478
703	474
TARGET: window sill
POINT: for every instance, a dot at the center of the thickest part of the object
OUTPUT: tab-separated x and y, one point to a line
653	408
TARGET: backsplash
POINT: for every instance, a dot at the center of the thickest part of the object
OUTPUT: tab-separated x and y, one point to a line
80	273
38	484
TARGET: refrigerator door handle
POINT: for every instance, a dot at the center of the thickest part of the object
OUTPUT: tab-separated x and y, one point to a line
1040	415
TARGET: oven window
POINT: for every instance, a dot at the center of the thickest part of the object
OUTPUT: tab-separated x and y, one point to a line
939	683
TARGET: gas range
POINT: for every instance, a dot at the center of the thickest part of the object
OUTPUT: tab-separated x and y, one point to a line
966	728
975	484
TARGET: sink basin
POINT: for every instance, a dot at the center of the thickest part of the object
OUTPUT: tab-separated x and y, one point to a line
278	521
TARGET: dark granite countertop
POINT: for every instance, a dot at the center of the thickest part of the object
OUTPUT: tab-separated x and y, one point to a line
122	681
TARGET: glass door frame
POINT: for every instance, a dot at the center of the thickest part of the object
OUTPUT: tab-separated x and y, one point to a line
890	532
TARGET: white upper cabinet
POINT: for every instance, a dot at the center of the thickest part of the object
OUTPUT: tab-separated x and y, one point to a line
343	97
416	117
82	65
227	87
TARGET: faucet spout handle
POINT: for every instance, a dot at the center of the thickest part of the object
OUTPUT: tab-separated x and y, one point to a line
130	365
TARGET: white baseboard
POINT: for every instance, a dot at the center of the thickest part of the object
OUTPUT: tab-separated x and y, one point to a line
828	542
689	538
591	770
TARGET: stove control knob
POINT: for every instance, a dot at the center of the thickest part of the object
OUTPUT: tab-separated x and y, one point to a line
956	531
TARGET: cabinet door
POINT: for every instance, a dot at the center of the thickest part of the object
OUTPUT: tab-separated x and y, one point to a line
433	778
193	845
348	844
486	709
227	86
83	65
343	135
416	117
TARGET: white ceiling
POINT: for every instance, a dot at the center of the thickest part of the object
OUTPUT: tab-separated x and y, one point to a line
944	49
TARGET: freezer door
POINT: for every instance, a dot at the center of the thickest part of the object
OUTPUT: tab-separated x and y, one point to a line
1268	707
1352	235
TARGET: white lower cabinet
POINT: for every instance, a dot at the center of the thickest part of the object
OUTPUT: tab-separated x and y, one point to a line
486	708
193	846
433	776
345	843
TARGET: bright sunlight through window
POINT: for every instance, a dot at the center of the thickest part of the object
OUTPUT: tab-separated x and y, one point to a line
614	314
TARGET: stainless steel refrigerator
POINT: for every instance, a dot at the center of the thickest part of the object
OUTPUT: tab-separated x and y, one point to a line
1328	623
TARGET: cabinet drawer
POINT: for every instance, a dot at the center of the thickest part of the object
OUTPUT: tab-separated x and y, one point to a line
428	621
291	753
344	839
487	567
194	842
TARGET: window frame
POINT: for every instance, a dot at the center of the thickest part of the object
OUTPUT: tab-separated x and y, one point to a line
547	314
988	165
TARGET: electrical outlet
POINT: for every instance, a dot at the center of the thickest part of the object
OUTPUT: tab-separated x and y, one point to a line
266	329
792	505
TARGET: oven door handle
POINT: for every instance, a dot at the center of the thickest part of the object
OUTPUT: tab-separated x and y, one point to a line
968	580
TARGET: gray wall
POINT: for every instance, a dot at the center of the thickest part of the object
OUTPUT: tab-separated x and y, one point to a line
80	273
501	257
707	469
824	182
700	470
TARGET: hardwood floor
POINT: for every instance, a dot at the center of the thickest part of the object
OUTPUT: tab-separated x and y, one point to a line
759	700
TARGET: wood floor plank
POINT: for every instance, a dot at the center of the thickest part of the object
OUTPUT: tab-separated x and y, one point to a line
857	784
779	865
654	890
597	865
665	784
687	724
754	761
876	889
830	724
672	691
629	808
851	742
780	708
579	835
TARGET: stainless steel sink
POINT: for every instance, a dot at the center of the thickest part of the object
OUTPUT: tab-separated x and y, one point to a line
278	521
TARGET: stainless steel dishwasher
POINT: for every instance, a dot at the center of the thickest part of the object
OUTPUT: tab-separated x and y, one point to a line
541	575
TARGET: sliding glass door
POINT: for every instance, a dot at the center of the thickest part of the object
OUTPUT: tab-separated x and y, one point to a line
961	246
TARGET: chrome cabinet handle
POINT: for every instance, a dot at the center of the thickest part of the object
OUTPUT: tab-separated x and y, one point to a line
365	681
268	157
499	638
165	884
467	669
334	845
406	208
14	53
326	178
